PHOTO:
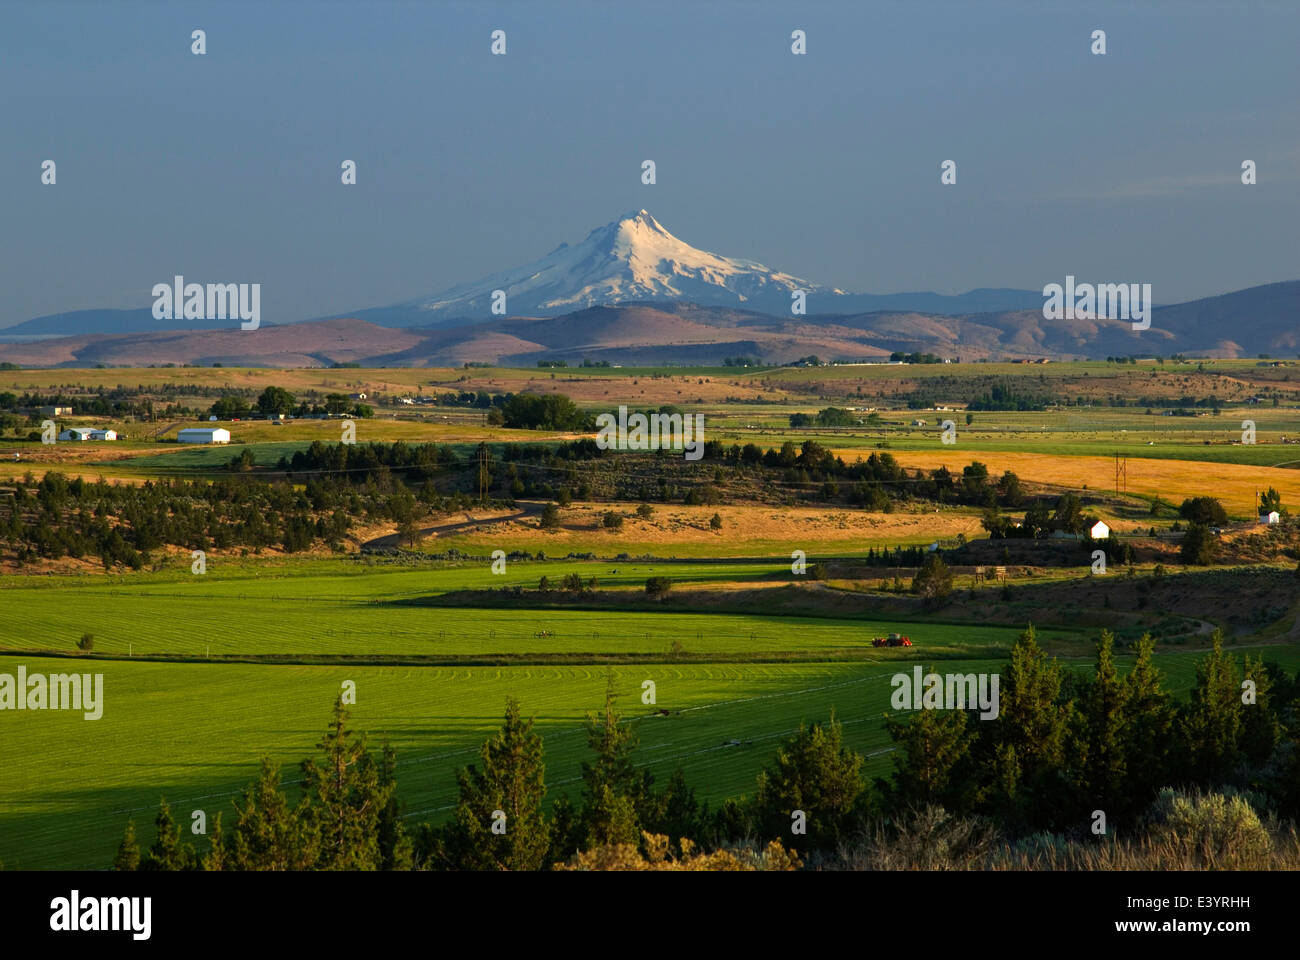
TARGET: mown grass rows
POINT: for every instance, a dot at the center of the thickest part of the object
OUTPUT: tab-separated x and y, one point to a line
194	733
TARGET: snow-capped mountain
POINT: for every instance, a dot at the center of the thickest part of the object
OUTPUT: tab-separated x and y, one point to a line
632	259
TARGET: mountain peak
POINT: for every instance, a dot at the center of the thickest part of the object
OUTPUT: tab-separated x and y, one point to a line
634	258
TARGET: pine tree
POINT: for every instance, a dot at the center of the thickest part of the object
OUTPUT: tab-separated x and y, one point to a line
344	799
565	830
932	751
217	857
613	789
395	845
268	834
1211	721
169	851
816	773
511	780
676	812
1105	716
1149	718
128	852
1030	736
1260	728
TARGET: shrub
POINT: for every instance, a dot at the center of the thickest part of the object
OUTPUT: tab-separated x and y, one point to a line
933	581
658	587
1198	545
1206	510
550	517
87	642
612	520
1220	830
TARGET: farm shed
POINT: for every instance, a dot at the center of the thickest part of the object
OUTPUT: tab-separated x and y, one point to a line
204	435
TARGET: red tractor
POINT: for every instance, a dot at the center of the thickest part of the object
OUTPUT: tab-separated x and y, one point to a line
893	640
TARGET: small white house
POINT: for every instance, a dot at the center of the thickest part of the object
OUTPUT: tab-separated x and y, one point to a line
76	434
103	434
203	435
1271	517
1099	531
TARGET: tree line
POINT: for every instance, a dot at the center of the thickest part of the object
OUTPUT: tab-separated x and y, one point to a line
1064	746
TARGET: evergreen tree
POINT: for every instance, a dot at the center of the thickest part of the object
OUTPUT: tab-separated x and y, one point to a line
395	846
565	832
1104	717
933	582
268	834
676	813
614	790
1149	718
169	851
814	772
217	858
511	780
1030	737
1211	721
930	762
1260	729
128	852
345	799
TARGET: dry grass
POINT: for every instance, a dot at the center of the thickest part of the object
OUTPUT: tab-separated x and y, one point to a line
1236	485
746	530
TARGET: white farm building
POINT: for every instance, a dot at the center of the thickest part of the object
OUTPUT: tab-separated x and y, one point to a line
76	433
203	435
1099	531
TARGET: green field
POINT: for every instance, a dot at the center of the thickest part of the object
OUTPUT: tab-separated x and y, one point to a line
194	732
205	674
357	611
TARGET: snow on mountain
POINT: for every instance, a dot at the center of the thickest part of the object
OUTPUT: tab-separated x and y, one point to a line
634	258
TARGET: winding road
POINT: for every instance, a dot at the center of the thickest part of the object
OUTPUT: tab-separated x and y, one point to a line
392	541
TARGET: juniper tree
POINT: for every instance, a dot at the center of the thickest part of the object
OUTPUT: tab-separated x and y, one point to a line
1103	773
128	851
345	799
268	833
217	858
1211	720
613	789
169	851
511	779
932	750
1029	736
395	845
675	811
1260	729
1149	718
815	772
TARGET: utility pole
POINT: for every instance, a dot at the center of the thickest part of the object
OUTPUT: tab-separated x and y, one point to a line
483	475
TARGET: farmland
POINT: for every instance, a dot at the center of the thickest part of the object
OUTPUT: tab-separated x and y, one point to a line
205	672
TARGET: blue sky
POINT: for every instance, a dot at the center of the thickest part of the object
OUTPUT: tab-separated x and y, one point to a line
225	167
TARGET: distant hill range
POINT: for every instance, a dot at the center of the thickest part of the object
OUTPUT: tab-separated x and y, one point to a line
632	293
